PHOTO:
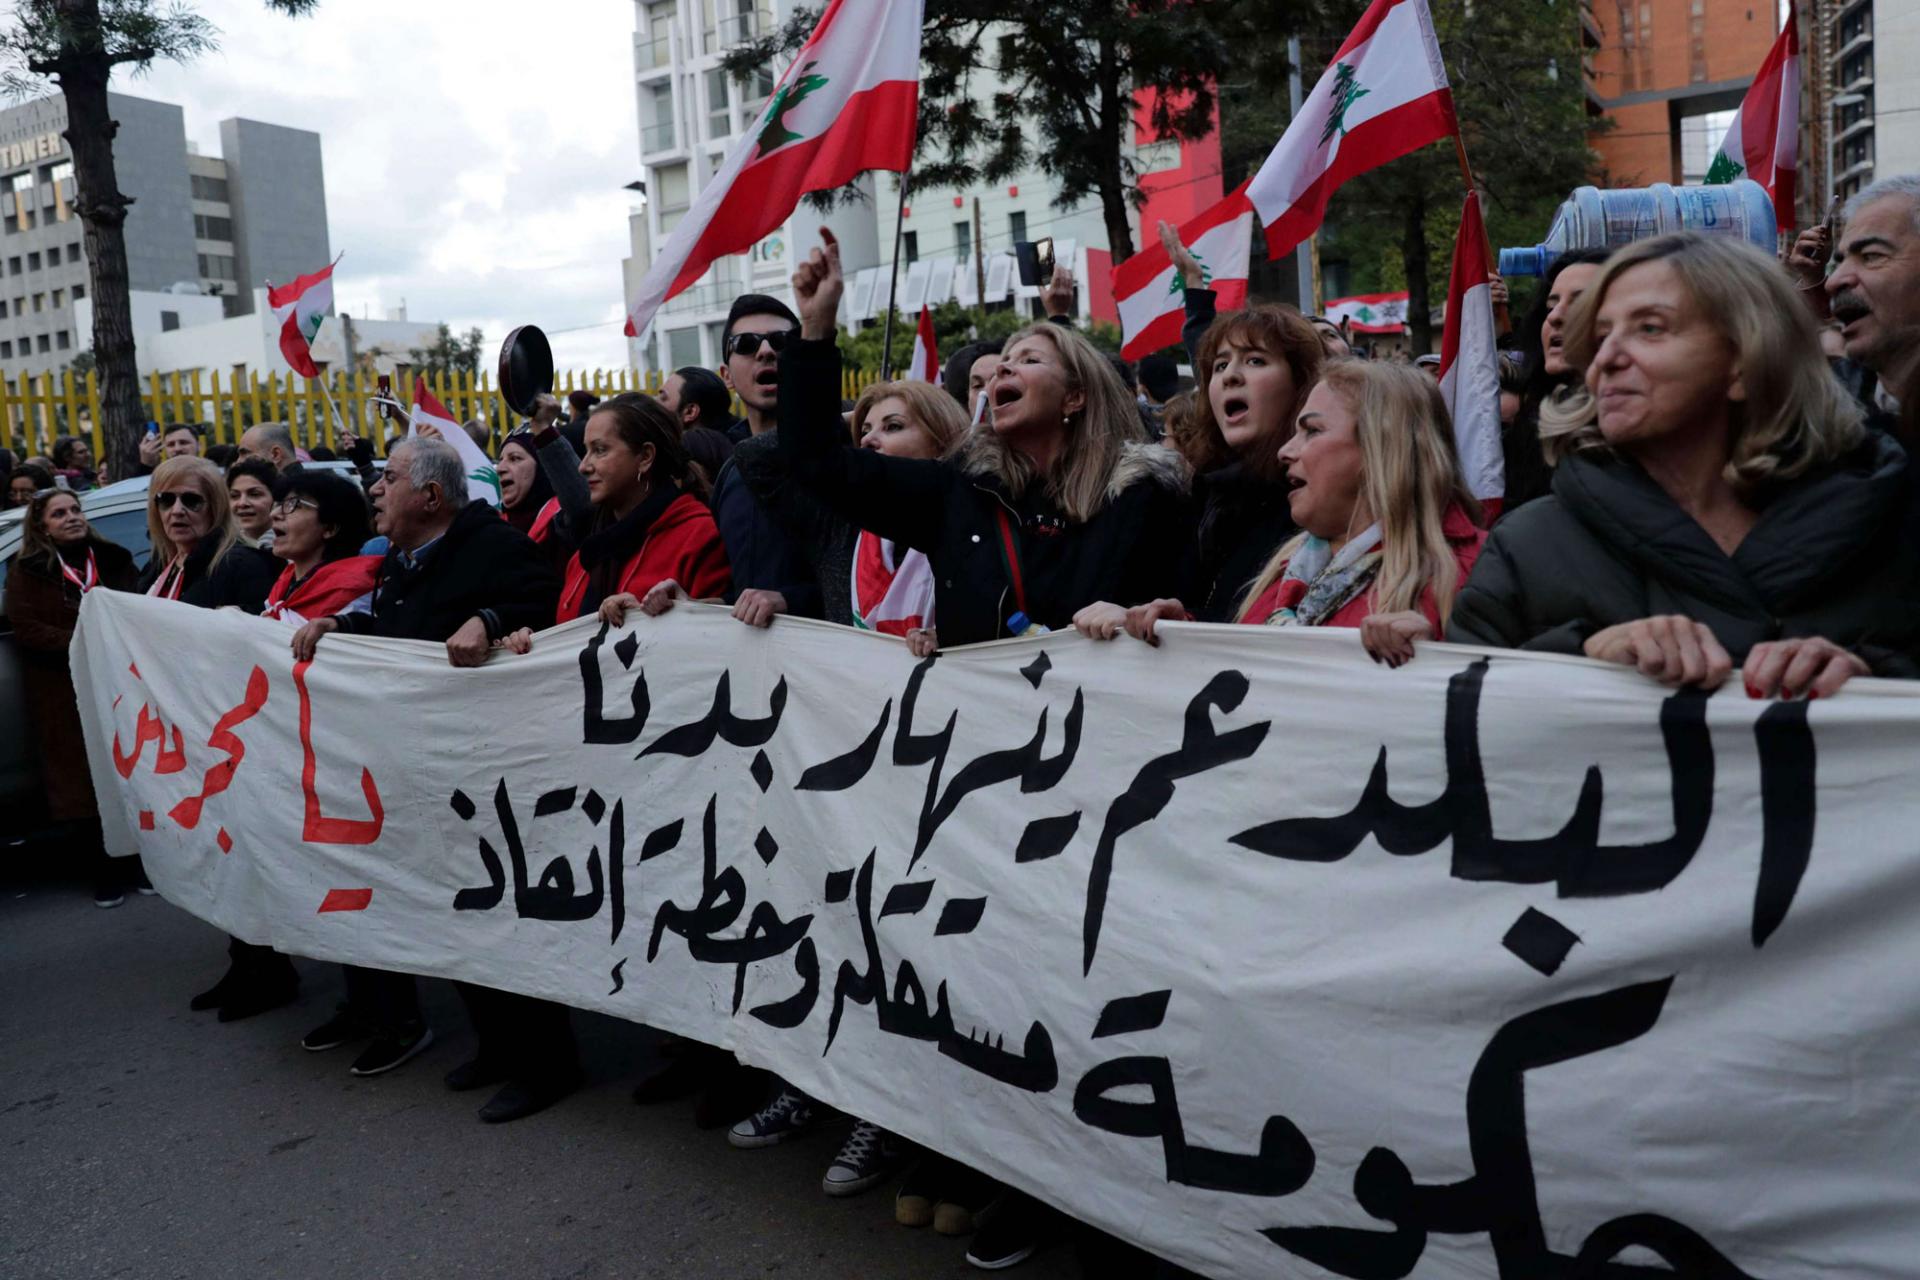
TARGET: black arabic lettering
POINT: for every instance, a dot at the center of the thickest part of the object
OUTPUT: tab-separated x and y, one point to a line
720	722
596	726
552	897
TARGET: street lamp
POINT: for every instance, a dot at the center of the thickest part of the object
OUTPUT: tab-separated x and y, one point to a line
1834	107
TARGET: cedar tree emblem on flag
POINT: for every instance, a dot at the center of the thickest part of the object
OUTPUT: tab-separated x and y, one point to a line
1179	284
775	134
1346	92
1725	168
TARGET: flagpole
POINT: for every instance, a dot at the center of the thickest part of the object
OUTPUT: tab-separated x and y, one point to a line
893	282
1503	322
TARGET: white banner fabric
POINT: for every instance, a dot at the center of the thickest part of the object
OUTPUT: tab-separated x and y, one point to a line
1270	959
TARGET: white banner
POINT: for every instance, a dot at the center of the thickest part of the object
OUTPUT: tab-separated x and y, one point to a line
1244	948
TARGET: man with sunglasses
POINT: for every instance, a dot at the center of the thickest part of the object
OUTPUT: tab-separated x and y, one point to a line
770	571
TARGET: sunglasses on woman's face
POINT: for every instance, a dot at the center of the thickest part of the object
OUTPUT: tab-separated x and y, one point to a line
189	500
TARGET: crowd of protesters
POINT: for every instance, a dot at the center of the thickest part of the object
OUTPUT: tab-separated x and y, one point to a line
1707	469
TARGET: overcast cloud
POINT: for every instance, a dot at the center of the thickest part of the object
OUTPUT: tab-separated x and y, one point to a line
475	151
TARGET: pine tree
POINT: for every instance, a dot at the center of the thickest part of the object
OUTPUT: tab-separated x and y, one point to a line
77	44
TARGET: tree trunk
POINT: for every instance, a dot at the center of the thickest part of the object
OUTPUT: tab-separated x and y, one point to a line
1116	120
103	218
1413	254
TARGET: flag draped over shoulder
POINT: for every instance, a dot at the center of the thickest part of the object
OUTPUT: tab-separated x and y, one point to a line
1469	363
1384	94
1149	291
847	104
1763	142
300	307
925	364
483	482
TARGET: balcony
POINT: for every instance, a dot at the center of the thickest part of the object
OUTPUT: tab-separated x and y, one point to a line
657	137
651	55
1590	30
734	29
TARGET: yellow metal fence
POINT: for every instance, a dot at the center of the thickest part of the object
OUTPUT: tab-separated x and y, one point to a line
36	409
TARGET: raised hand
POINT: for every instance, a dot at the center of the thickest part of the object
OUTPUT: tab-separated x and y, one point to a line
1192	274
817	287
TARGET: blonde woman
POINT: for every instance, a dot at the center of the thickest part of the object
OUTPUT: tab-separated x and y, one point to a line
1056	501
1388	531
1716	500
198	555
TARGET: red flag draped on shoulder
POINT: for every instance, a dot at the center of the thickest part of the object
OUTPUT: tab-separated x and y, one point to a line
1469	364
1384	94
847	104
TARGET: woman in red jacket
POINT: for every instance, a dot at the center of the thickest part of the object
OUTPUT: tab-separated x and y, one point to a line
1389	531
650	522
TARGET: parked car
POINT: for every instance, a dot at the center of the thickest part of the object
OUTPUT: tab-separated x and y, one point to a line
117	513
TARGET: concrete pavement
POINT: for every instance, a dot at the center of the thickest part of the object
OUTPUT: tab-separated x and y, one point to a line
138	1139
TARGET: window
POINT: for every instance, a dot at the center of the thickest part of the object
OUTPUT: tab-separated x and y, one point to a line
22	183
207	227
79	292
13	265
206	187
657	50
39	302
1017	225
963	239
60	172
657	134
59	298
217	266
6	349
33	262
910	241
45	344
3	310
63	340
169	321
719	122
674	192
73	252
683	347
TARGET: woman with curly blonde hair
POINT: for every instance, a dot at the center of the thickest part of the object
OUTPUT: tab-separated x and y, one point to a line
1716	500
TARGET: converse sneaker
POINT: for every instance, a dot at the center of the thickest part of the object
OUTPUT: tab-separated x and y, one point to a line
867	1156
789	1115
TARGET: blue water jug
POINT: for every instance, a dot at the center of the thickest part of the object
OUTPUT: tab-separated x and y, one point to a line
1595	219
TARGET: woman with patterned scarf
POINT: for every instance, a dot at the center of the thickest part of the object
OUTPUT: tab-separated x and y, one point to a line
1388	531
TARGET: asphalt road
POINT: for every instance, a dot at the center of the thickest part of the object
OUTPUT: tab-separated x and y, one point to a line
138	1139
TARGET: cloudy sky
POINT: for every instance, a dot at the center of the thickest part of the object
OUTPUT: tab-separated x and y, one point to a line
475	151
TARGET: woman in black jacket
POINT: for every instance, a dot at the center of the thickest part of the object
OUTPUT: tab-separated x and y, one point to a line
1544	358
1058	502
1716	500
199	559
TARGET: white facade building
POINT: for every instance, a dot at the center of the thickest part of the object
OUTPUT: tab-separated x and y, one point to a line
178	332
690	113
1874	63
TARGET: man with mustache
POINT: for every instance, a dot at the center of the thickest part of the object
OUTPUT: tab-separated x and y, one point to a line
1874	289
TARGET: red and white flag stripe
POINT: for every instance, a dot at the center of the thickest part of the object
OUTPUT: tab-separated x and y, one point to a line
847	104
1383	95
301	307
1148	292
925	365
1763	142
1469	362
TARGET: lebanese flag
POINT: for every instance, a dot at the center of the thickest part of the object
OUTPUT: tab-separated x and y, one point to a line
1763	143
300	308
847	104
892	586
925	365
1369	312
1150	294
1469	364
1384	94
338	586
483	482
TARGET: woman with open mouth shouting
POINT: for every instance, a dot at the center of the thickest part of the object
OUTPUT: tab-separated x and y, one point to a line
1388	532
1058	500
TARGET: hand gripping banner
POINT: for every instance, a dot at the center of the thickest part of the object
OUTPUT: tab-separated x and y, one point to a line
1244	948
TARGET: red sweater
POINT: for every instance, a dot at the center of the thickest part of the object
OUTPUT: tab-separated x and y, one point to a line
683	544
1463	535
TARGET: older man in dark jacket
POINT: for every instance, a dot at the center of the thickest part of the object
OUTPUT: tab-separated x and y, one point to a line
455	573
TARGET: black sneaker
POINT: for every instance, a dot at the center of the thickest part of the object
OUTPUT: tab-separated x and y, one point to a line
1010	1233
789	1115
520	1099
867	1156
216	995
251	998
107	896
388	1052
341	1028
475	1073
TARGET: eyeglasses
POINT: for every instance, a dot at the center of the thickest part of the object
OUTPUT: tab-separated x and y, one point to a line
746	344
287	506
189	500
